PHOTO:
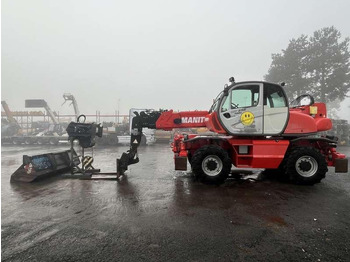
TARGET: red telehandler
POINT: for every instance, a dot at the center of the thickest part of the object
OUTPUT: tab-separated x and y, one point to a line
254	127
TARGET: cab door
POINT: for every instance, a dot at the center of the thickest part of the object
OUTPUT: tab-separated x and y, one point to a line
241	109
276	110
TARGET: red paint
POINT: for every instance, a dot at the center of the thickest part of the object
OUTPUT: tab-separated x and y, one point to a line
214	125
301	122
169	120
262	152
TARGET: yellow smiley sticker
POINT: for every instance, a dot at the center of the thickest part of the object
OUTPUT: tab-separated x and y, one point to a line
247	118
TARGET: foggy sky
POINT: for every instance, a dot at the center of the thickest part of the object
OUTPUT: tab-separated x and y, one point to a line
147	54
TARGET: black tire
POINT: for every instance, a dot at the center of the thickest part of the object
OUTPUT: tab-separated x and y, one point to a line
211	164
189	158
306	166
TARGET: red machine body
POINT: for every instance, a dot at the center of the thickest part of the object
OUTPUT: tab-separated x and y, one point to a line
303	121
253	126
169	120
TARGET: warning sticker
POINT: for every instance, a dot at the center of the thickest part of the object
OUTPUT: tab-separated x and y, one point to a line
247	118
29	168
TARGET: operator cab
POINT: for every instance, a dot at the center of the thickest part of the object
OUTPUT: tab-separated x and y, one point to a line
252	108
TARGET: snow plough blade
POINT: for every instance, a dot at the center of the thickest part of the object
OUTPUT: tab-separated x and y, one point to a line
44	165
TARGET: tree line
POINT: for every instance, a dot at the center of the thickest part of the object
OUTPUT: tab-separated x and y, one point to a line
318	65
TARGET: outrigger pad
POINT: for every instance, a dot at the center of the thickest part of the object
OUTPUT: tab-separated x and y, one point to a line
39	166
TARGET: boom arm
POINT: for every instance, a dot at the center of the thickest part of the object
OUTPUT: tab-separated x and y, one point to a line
166	120
70	97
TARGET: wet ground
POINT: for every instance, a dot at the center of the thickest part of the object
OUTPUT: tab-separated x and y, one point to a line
157	214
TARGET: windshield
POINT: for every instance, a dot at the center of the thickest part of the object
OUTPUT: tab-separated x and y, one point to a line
215	103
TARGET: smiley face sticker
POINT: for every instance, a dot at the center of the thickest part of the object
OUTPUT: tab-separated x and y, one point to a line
247	118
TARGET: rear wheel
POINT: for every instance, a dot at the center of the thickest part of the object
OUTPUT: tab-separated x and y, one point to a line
306	166
211	164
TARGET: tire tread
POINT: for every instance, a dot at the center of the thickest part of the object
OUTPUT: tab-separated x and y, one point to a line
200	154
293	175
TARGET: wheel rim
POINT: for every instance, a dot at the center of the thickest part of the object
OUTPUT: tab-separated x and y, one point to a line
306	166
212	165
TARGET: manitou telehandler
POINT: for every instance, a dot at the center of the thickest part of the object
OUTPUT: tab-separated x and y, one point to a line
254	127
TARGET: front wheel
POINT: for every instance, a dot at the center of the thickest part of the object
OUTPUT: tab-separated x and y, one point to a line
211	164
306	166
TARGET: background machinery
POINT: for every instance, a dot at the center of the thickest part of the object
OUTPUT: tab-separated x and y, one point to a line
54	132
70	97
254	127
114	133
35	132
9	125
38	133
341	129
110	134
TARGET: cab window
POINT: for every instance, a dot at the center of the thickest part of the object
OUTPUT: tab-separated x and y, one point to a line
226	105
274	96
245	96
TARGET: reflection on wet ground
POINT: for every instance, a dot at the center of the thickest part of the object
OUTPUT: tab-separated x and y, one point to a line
156	213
